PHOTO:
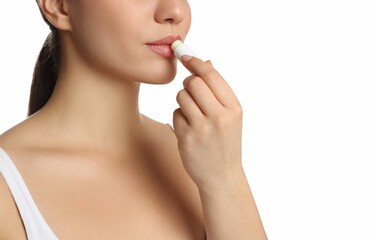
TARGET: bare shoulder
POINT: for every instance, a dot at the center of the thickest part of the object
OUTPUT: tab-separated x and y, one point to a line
13	135
20	136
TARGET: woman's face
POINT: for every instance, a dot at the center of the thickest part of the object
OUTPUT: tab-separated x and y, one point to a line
114	35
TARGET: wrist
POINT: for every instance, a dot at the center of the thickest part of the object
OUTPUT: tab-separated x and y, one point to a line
225	184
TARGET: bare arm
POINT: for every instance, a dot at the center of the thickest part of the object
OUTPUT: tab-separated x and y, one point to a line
230	212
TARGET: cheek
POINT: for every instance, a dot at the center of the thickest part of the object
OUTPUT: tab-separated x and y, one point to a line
103	40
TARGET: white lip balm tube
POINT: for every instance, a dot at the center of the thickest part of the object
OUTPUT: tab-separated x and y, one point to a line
181	49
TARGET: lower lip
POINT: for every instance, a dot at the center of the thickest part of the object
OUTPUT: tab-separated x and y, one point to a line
163	50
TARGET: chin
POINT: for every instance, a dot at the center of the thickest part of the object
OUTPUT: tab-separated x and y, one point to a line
160	79
160	74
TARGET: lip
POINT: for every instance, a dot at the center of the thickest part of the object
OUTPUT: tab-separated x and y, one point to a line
168	40
163	45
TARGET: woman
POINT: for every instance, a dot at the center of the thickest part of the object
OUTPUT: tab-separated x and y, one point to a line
86	164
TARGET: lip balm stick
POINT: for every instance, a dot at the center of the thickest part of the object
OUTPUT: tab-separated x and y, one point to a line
181	49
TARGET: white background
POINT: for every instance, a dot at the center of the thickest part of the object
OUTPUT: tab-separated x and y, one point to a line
304	72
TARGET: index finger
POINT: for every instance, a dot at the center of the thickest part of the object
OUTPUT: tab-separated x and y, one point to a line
212	78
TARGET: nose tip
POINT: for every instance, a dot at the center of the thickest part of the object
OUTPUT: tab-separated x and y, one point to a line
176	18
171	11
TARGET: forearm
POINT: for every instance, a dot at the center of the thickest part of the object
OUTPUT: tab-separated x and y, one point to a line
230	211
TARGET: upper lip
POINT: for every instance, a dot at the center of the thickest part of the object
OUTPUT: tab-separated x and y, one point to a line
168	40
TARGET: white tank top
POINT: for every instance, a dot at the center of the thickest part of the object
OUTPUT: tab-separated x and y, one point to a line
35	225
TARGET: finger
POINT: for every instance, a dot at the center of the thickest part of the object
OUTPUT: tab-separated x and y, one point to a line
179	122
212	78
202	95
188	106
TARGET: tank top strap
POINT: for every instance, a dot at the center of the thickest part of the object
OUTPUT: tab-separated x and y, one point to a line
35	225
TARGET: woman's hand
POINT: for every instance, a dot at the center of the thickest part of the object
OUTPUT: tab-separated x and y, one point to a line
208	126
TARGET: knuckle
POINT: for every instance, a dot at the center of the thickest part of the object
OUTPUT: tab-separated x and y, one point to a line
188	79
176	112
238	110
180	95
222	122
228	119
212	73
191	82
209	62
204	129
225	120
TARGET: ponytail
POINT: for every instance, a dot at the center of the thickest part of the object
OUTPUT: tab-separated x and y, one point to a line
45	71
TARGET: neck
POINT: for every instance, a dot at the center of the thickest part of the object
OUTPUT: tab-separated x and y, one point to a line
92	108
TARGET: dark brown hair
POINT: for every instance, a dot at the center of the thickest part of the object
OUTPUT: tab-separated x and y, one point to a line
45	71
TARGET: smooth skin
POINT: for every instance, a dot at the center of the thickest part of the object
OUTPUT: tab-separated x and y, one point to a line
99	169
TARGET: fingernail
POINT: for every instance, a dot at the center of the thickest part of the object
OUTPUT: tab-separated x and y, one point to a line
186	58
